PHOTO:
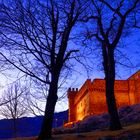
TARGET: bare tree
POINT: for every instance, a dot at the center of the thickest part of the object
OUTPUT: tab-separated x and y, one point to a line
34	38
37	101
15	106
136	17
110	19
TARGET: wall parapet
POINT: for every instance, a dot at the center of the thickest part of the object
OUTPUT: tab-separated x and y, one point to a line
90	98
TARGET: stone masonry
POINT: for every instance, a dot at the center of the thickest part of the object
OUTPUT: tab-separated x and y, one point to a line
90	98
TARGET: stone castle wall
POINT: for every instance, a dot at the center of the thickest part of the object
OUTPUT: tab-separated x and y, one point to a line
91	99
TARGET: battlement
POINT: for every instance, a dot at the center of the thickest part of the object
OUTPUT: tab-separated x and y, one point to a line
72	92
91	99
72	89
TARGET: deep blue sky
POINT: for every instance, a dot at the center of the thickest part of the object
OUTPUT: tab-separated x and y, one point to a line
129	46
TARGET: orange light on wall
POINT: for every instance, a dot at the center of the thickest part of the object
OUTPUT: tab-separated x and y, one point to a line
91	99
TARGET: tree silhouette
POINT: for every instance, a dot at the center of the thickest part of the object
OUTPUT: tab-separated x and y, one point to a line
35	36
110	20
14	104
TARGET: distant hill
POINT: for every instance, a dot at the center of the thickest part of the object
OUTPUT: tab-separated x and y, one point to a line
29	126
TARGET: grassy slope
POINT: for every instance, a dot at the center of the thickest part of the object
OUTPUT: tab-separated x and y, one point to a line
95	135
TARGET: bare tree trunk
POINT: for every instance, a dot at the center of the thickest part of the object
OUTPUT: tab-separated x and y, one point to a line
49	111
109	69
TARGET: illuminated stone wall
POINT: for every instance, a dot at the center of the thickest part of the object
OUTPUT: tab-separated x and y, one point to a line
90	99
134	85
97	97
71	97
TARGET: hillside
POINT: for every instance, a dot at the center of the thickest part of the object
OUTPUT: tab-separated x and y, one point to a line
29	126
128	115
92	127
130	132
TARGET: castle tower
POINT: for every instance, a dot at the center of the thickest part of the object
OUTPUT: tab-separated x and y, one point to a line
91	99
71	98
134	88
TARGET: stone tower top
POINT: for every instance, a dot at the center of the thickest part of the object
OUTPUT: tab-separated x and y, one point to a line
72	89
72	92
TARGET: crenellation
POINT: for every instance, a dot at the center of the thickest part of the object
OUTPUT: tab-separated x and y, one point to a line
90	98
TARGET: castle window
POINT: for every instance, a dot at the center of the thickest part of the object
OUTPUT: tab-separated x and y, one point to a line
85	101
81	104
84	112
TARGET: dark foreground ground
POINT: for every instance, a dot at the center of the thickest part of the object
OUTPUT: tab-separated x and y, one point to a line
96	127
130	132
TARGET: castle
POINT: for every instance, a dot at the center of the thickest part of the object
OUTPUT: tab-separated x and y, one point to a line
90	98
